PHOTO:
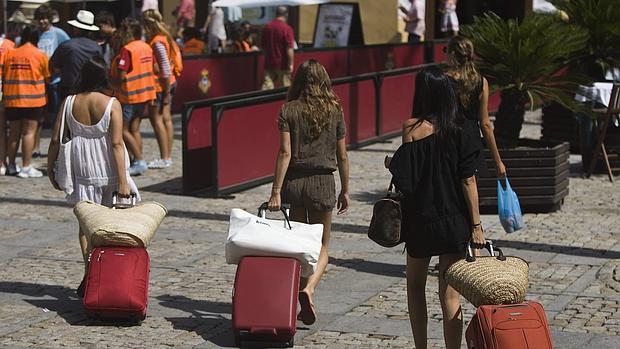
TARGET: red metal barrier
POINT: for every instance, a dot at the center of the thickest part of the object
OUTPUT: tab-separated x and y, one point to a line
438	51
396	101
198	161
228	74
247	143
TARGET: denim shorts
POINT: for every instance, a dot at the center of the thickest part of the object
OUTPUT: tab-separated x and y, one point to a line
130	111
160	95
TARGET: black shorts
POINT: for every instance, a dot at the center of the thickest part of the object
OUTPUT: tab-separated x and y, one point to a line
16	114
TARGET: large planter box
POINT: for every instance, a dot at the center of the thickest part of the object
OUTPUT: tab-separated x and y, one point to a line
538	172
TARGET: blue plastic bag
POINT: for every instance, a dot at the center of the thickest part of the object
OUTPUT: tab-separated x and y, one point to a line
508	207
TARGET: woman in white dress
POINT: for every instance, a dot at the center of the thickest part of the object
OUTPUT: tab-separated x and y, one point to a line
99	159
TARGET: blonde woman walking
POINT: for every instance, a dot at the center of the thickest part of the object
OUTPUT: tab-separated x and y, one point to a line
312	147
472	91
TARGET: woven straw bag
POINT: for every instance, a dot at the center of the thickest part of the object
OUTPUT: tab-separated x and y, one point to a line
133	226
490	280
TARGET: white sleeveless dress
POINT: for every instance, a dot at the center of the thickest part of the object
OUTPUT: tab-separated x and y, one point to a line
92	155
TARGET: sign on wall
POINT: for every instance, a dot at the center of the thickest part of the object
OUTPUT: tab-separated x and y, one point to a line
333	25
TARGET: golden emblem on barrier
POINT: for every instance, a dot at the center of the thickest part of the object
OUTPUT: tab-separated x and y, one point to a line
205	82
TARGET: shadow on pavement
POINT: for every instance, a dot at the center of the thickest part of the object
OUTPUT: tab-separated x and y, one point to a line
206	318
371	267
363	229
65	303
172	186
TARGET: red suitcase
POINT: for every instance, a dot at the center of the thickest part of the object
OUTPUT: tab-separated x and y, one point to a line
265	300
117	283
518	326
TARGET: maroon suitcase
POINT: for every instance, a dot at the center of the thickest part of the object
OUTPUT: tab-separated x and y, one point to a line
265	300
510	326
117	283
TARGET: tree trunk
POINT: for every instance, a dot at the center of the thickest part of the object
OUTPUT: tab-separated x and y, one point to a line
509	118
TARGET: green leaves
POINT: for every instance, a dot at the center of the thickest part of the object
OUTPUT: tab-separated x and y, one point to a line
529	56
600	20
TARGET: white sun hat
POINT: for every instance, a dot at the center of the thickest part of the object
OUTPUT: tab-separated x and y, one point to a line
84	20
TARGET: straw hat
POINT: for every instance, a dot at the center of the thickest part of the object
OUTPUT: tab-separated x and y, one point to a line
19	17
84	20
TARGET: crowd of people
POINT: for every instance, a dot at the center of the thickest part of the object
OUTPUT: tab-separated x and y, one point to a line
43	65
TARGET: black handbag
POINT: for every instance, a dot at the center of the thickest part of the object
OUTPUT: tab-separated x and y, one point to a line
386	220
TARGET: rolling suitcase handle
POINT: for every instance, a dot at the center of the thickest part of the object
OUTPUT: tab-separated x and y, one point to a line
469	255
284	208
115	203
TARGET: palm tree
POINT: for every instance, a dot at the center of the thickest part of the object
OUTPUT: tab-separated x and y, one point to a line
599	19
526	61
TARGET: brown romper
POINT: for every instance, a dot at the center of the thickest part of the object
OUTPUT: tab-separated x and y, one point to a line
309	180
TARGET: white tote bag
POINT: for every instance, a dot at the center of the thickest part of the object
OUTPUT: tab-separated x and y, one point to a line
250	235
63	173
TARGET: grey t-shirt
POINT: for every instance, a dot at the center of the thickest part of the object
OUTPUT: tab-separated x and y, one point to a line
311	153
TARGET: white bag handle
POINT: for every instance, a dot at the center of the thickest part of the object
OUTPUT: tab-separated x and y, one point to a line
63	119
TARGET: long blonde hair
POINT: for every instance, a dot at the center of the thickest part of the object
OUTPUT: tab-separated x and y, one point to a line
312	87
154	25
461	61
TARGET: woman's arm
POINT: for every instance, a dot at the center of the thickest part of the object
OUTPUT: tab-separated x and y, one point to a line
282	162
52	151
118	148
470	191
487	130
343	171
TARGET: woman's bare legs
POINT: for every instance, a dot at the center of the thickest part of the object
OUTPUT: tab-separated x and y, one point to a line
14	138
308	285
161	133
417	270
450	304
29	130
169	126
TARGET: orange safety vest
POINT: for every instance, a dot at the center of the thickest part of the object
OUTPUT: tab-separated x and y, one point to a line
5	47
24	74
194	46
162	39
139	84
177	60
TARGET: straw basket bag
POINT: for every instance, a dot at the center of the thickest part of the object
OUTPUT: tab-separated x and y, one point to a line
490	280
133	226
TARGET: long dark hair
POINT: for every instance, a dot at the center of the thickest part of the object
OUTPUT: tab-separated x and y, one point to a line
94	76
435	101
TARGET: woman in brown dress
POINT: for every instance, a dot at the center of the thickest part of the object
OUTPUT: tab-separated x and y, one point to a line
312	147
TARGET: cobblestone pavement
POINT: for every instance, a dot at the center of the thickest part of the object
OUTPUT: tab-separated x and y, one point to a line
574	257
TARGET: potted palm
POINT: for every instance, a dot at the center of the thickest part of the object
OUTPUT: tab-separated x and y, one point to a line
599	20
526	62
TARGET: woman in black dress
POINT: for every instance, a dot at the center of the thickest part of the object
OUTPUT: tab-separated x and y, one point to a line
472	91
435	169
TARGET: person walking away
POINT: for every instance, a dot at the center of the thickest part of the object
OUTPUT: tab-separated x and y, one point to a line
107	27
5	46
25	74
473	95
186	12
50	38
312	147
278	42
192	42
99	159
136	85
69	57
164	48
449	18
413	15
216	31
435	170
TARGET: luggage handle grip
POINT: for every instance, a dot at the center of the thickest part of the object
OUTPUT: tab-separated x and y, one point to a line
132	195
264	331
284	208
469	255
